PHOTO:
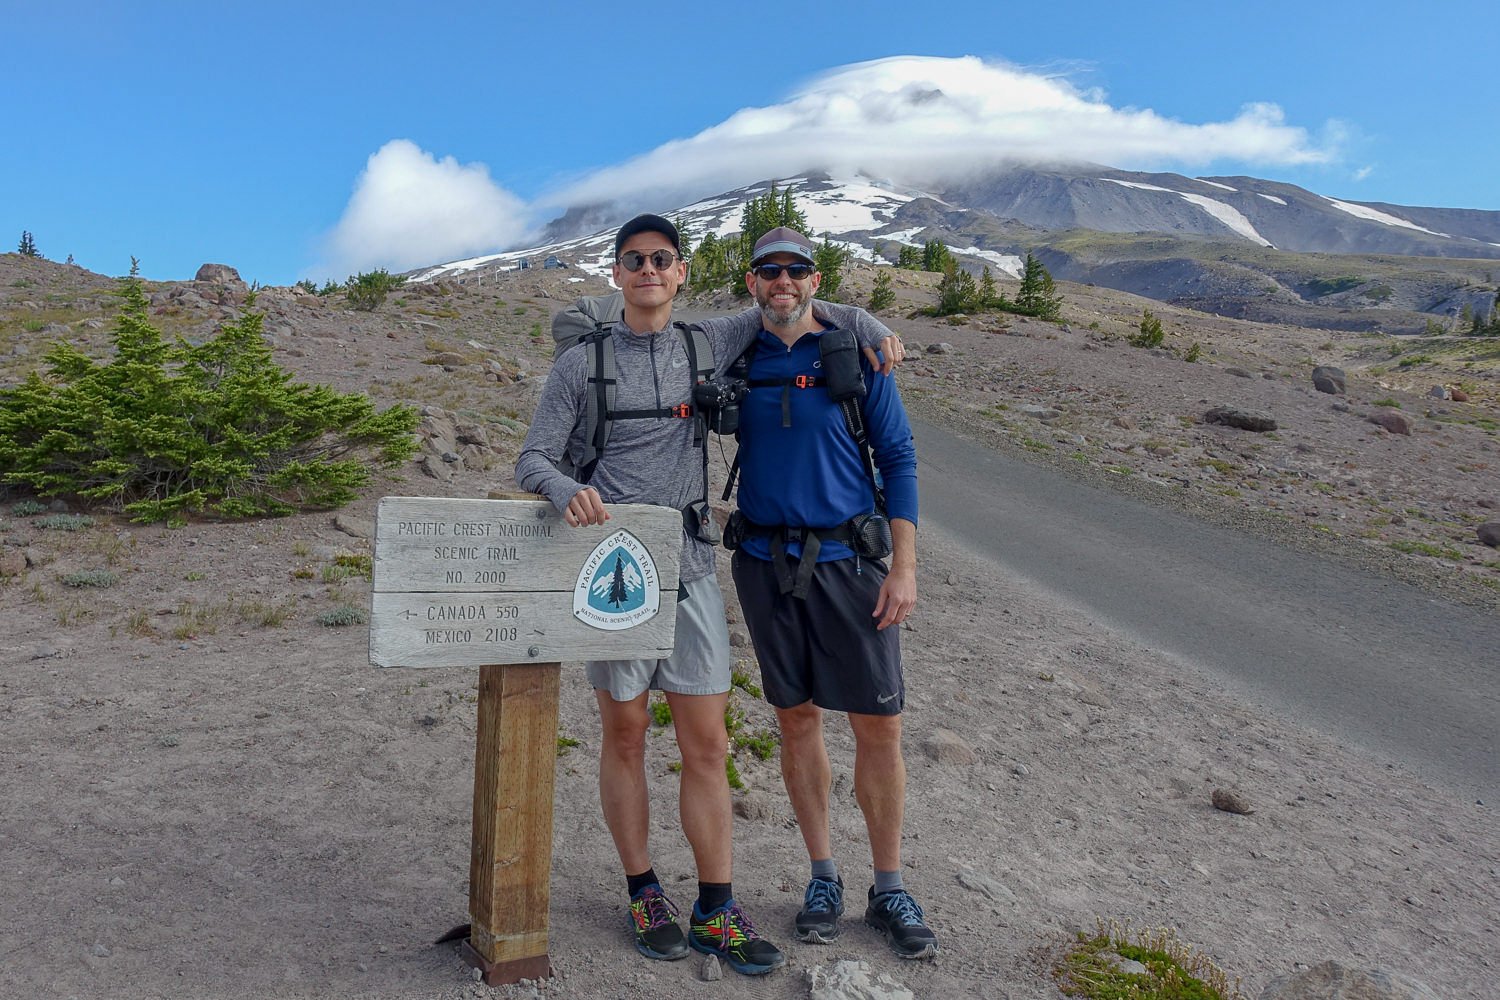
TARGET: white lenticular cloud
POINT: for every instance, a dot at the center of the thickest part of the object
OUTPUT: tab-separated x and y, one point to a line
917	119
410	209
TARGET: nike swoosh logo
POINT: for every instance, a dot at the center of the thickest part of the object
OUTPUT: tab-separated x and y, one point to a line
885	699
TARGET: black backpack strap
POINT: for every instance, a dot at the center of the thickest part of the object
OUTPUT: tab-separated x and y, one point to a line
599	399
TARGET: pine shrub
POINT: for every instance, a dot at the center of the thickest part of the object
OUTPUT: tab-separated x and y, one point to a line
366	291
162	430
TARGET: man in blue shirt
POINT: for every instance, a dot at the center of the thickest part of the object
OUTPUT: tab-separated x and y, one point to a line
823	612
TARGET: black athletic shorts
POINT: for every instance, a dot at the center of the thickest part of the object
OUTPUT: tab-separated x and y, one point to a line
825	648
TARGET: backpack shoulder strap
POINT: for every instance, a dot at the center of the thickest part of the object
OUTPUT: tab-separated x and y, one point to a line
599	399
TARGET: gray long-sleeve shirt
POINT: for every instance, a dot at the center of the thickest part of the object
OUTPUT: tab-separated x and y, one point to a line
650	460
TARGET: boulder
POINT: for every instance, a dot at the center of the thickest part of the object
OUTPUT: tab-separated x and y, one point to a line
1327	378
1392	420
1440	392
1489	533
1458	395
1332	981
1246	420
220	274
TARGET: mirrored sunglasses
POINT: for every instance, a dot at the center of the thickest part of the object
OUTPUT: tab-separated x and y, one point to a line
634	260
770	272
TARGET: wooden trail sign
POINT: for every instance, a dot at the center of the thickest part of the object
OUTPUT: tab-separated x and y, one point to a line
507	586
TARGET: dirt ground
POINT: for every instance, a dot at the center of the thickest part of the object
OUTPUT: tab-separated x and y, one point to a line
208	794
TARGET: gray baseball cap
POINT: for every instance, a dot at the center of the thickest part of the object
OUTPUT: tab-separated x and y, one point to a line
782	240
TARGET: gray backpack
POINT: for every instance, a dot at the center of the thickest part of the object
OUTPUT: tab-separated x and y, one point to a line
587	321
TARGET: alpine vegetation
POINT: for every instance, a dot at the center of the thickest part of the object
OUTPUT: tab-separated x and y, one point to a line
162	430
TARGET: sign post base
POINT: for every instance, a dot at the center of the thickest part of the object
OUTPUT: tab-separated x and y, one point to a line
501	973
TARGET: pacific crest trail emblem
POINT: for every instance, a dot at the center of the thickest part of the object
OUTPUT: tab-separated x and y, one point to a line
617	586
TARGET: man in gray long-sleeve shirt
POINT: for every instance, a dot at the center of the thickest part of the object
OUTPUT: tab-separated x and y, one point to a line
654	460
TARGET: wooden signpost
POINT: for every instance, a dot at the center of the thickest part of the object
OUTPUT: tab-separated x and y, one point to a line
507	586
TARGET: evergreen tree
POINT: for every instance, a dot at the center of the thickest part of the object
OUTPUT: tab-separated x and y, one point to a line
882	296
936	257
1150	332
28	246
830	258
909	258
956	292
162	430
1038	294
988	297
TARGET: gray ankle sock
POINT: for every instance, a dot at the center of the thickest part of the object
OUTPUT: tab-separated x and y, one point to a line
826	869
887	881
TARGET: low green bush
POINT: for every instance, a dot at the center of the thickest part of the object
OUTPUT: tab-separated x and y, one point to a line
161	430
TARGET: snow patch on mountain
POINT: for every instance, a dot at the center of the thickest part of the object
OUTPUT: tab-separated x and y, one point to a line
1007	262
1227	214
1272	197
1216	184
1374	215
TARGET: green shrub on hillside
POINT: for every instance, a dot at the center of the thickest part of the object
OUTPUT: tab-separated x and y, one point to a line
366	292
1150	333
163	429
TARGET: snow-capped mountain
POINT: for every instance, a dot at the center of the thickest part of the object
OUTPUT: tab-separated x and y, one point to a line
1207	242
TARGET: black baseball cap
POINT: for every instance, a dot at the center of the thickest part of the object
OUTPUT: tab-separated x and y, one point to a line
648	224
782	240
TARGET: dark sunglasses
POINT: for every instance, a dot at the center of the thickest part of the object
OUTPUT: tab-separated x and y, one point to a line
770	272
633	260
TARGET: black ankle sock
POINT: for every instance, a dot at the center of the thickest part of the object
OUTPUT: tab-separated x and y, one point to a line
639	882
712	895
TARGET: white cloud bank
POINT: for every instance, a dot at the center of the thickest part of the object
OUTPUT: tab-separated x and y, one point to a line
917	119
907	119
410	209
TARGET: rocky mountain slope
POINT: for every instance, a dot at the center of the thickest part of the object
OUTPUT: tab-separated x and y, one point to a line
1233	246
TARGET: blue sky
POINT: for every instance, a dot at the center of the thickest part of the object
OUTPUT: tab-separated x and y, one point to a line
315	139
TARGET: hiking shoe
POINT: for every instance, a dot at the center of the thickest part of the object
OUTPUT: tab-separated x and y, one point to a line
727	933
899	918
822	905
655	921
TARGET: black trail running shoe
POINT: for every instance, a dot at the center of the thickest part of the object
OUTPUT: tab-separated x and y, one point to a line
822	905
899	918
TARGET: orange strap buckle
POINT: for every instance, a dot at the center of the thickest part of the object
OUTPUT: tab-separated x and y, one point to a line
805	381
682	410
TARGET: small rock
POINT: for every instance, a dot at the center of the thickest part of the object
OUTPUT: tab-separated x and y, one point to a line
101	950
1458	395
1020	770
1440	392
354	527
1129	966
852	980
738	638
1391	420
1247	420
941	348
1331	981
1489	533
1125	421
1226	801
1236	372
712	971
947	747
753	805
986	886
1043	413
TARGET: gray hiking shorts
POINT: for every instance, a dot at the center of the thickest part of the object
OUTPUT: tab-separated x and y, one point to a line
700	661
